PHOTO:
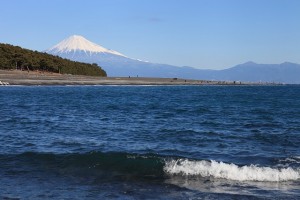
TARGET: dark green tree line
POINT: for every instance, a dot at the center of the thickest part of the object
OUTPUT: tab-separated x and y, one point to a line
14	57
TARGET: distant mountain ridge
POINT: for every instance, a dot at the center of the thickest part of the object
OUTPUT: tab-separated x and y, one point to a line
116	64
284	73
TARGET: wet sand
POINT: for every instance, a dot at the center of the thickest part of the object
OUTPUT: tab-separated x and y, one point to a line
17	77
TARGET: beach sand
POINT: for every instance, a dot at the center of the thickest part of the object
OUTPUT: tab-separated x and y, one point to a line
17	77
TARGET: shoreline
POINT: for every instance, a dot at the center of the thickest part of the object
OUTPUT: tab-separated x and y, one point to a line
25	78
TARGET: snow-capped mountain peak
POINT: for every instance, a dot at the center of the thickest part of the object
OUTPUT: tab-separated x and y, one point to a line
79	43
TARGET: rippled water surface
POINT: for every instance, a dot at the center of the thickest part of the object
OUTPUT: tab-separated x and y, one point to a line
150	142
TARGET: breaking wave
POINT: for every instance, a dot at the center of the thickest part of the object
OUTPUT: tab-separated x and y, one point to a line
230	171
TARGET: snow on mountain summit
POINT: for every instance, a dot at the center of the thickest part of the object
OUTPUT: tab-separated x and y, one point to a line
79	43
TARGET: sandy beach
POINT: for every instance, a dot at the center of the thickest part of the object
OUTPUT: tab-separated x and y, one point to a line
17	77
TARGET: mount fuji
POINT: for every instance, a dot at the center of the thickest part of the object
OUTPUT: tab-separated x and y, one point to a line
116	64
77	48
78	44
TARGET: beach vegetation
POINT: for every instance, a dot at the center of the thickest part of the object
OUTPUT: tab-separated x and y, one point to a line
15	57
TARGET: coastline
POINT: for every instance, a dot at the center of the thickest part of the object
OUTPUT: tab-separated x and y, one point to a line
17	77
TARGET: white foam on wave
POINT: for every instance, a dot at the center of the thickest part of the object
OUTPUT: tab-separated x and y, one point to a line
230	171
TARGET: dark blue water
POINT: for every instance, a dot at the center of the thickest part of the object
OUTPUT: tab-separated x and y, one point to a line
146	142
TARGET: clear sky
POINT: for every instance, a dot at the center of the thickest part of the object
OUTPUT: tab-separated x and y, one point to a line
210	34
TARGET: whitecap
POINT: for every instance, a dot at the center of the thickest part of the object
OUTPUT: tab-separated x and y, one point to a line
230	171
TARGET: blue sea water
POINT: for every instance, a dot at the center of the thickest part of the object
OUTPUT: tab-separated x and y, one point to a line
150	142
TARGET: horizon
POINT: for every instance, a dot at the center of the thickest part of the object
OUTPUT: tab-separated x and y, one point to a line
204	35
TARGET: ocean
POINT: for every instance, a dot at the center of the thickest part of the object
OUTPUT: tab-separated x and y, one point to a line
150	142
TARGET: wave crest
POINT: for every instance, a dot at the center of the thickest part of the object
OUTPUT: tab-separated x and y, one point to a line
230	171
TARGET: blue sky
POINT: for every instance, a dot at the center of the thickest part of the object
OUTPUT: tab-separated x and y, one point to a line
210	34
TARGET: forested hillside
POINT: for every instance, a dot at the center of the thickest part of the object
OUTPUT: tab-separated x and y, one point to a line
14	57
